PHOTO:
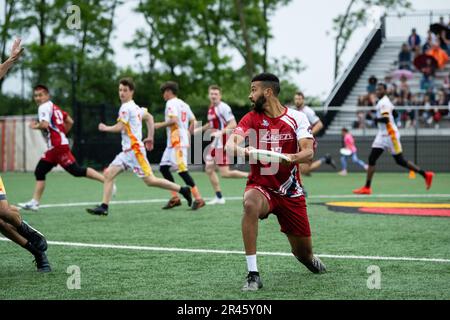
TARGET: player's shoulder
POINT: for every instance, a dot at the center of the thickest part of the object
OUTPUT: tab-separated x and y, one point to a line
224	105
46	106
308	110
298	116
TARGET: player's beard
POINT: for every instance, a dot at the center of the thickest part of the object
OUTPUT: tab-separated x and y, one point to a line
258	105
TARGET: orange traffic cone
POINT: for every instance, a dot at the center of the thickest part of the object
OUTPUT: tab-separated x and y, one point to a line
412	174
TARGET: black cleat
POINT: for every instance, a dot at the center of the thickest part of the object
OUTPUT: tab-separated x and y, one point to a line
253	282
173	202
186	193
42	263
329	160
36	238
315	265
198	204
98	211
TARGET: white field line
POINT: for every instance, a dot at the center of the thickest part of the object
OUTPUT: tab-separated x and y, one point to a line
333	196
261	253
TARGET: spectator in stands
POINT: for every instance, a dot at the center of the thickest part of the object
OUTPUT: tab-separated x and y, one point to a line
389	84
404	58
431	40
427	116
414	40
439	54
404	86
364	99
445	43
427	83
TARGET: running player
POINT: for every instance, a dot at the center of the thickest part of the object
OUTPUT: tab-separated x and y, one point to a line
133	156
280	192
57	123
388	138
222	121
11	224
348	143
179	123
316	126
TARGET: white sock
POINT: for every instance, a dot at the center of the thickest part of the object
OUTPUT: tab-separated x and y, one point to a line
33	201
251	263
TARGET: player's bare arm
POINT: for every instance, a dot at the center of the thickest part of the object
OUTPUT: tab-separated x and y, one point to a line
233	146
150	122
306	154
202	128
228	128
172	120
68	124
118	127
317	127
41	125
16	52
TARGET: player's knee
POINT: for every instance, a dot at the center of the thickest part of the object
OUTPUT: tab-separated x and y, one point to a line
75	170
225	174
209	169
41	170
250	207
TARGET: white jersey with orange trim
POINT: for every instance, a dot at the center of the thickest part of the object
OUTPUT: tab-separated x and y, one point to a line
385	106
131	115
178	133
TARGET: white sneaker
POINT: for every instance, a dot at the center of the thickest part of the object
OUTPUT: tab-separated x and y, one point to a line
216	201
114	191
31	205
342	173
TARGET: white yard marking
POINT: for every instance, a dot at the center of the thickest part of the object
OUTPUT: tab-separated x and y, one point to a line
211	251
332	196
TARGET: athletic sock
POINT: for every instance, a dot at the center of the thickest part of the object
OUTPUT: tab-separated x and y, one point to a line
368	183
219	195
104	206
251	263
196	193
174	194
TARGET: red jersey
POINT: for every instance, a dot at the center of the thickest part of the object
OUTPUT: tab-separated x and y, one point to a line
281	135
218	117
52	114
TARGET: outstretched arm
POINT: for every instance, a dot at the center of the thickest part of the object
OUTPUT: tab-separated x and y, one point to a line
16	52
172	120
118	127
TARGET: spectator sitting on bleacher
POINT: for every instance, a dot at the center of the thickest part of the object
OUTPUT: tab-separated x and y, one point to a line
414	40
364	99
431	39
404	86
445	43
427	83
404	58
440	55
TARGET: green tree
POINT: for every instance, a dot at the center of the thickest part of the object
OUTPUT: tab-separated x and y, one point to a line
355	16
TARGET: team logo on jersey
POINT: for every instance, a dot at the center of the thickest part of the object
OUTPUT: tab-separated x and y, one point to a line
275	137
265	123
391	208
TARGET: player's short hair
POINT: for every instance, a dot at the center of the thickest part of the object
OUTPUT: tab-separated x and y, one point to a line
169	85
381	84
269	80
299	93
128	82
214	87
41	87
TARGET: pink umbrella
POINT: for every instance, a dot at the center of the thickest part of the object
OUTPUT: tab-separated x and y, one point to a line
398	74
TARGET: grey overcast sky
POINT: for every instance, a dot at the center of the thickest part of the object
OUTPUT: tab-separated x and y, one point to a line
299	30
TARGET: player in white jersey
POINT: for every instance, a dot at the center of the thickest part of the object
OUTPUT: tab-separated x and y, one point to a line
179	123
316	126
221	122
12	225
388	138
133	156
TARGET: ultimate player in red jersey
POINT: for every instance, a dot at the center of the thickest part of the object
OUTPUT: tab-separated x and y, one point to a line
275	188
57	123
221	120
11	224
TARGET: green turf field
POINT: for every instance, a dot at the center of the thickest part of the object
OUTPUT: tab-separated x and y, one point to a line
146	273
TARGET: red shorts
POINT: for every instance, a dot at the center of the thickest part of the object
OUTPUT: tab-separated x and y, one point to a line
218	156
59	155
291	212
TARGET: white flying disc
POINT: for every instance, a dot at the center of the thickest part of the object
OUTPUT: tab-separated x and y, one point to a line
346	152
267	156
